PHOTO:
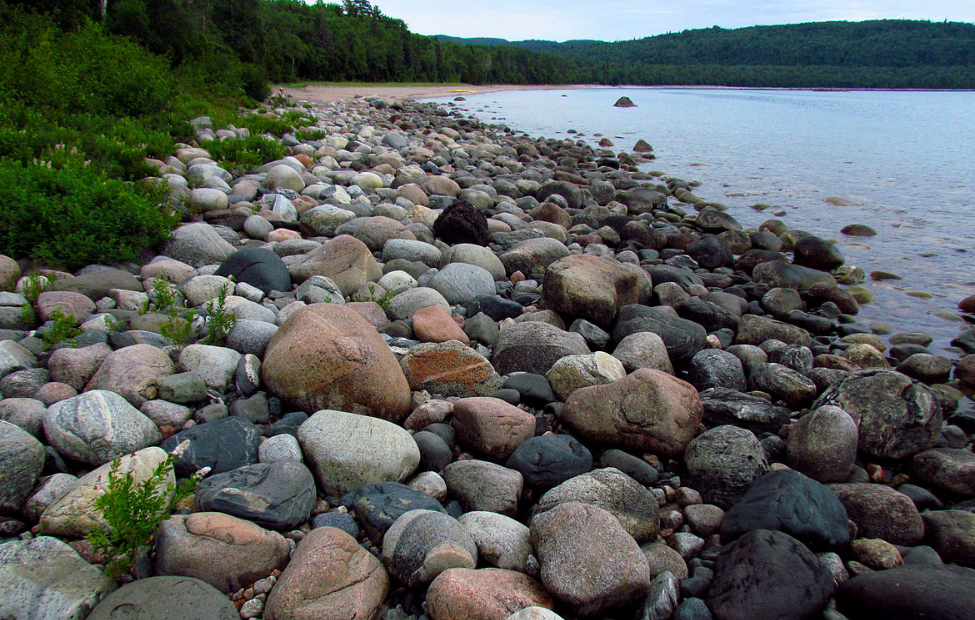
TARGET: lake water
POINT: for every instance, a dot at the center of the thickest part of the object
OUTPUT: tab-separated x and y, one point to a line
906	158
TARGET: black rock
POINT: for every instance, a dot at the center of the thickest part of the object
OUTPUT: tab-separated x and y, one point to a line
725	406
596	337
533	388
222	445
666	273
694	587
435	454
711	317
768	574
817	253
569	191
461	223
633	466
377	506
338	520
755	257
789	502
692	609
254	408
682	338
287	425
259	267
711	252
714	368
910	592
277	496
549	460
494	307
922	498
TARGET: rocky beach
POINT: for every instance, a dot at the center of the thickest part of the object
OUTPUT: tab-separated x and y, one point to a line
430	368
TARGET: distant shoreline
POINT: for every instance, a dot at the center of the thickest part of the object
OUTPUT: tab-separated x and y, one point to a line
325	93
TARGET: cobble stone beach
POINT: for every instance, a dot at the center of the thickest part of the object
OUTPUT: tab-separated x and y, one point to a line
472	375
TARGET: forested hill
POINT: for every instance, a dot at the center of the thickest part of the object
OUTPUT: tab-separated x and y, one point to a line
880	54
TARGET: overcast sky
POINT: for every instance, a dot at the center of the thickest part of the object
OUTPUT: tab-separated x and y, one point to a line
615	20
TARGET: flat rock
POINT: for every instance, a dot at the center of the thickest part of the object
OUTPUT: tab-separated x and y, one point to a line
378	506
682	338
330	577
74	514
952	534
344	259
950	470
549	460
278	496
347	451
166	598
45	578
226	552
534	346
222	445
728	406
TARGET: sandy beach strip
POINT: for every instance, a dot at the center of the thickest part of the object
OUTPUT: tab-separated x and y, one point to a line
325	93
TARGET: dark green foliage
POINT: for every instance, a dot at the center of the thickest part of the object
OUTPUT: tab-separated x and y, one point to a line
73	215
246	154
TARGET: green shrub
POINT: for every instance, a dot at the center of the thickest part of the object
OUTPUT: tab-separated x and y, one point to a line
246	154
133	512
219	320
62	331
65	212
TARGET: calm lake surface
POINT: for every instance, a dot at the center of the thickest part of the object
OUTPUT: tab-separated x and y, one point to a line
906	158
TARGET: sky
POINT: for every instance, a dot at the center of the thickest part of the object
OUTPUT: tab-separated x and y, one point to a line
618	20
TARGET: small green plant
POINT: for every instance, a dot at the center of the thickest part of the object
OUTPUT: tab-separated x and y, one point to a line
33	286
219	320
164	298
247	153
178	329
134	510
62	331
383	300
310	135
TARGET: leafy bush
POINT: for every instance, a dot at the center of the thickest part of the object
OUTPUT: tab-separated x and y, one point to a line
62	331
219	320
65	212
134	511
247	153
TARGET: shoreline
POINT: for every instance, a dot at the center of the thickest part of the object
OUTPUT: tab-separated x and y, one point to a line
326	93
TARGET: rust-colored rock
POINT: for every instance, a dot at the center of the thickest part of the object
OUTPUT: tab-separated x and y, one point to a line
326	356
449	368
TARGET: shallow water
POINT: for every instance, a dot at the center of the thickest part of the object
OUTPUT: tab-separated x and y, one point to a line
906	158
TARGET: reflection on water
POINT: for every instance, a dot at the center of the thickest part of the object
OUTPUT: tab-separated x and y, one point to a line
904	157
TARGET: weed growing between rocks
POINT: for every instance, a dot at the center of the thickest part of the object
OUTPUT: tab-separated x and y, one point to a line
134	510
219	320
61	332
383	300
